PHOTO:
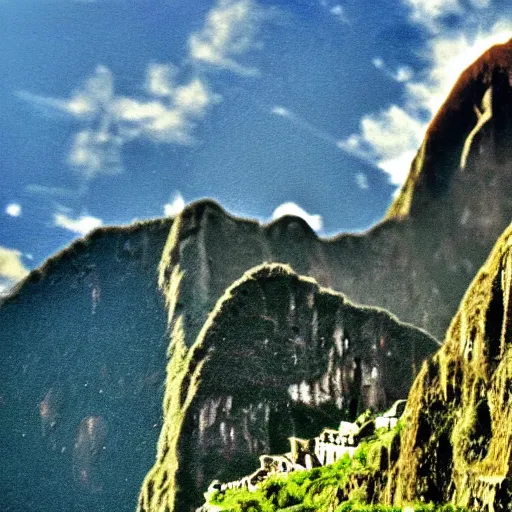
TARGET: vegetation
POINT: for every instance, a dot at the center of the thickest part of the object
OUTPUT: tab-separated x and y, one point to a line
339	487
456	447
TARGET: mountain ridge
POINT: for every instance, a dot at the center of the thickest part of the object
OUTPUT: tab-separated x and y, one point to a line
277	356
416	263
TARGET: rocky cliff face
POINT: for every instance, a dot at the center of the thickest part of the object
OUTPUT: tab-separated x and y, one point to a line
456	446
83	345
278	356
416	263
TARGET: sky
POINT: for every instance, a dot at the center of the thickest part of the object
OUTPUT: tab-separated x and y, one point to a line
121	110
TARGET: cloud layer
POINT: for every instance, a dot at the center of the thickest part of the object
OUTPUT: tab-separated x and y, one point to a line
80	225
12	269
229	31
175	206
170	108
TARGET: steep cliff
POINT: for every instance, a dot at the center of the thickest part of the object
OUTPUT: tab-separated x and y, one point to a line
454	444
457	442
278	356
82	367
416	263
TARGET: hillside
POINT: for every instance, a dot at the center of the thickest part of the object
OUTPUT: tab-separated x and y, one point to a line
416	263
454	442
278	356
83	340
457	443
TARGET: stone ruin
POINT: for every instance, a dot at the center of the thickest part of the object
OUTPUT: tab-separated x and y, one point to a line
328	447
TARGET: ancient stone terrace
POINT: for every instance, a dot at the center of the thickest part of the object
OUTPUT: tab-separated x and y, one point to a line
328	447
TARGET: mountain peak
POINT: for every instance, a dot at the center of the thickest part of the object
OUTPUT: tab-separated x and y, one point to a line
468	125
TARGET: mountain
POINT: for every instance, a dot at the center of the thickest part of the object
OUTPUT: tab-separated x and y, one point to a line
278	356
416	263
456	447
83	344
92	318
453	442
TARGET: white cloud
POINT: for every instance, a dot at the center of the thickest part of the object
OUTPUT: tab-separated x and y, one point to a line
130	110
12	269
362	181
193	98
96	152
160	79
175	206
11	266
112	121
290	208
449	55
401	74
171	108
427	12
44	190
281	111
387	139
5	286
378	63
481	4
338	12
304	125
230	31
81	225
390	139
13	209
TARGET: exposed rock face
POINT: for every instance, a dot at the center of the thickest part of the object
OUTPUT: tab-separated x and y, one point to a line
457	442
416	263
83	345
278	356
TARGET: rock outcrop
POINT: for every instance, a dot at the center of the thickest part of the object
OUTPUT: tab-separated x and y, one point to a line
456	446
418	262
277	357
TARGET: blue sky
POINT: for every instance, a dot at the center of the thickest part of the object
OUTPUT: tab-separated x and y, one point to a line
118	110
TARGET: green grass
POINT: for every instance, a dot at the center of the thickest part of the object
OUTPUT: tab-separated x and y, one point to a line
315	489
312	490
323	489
